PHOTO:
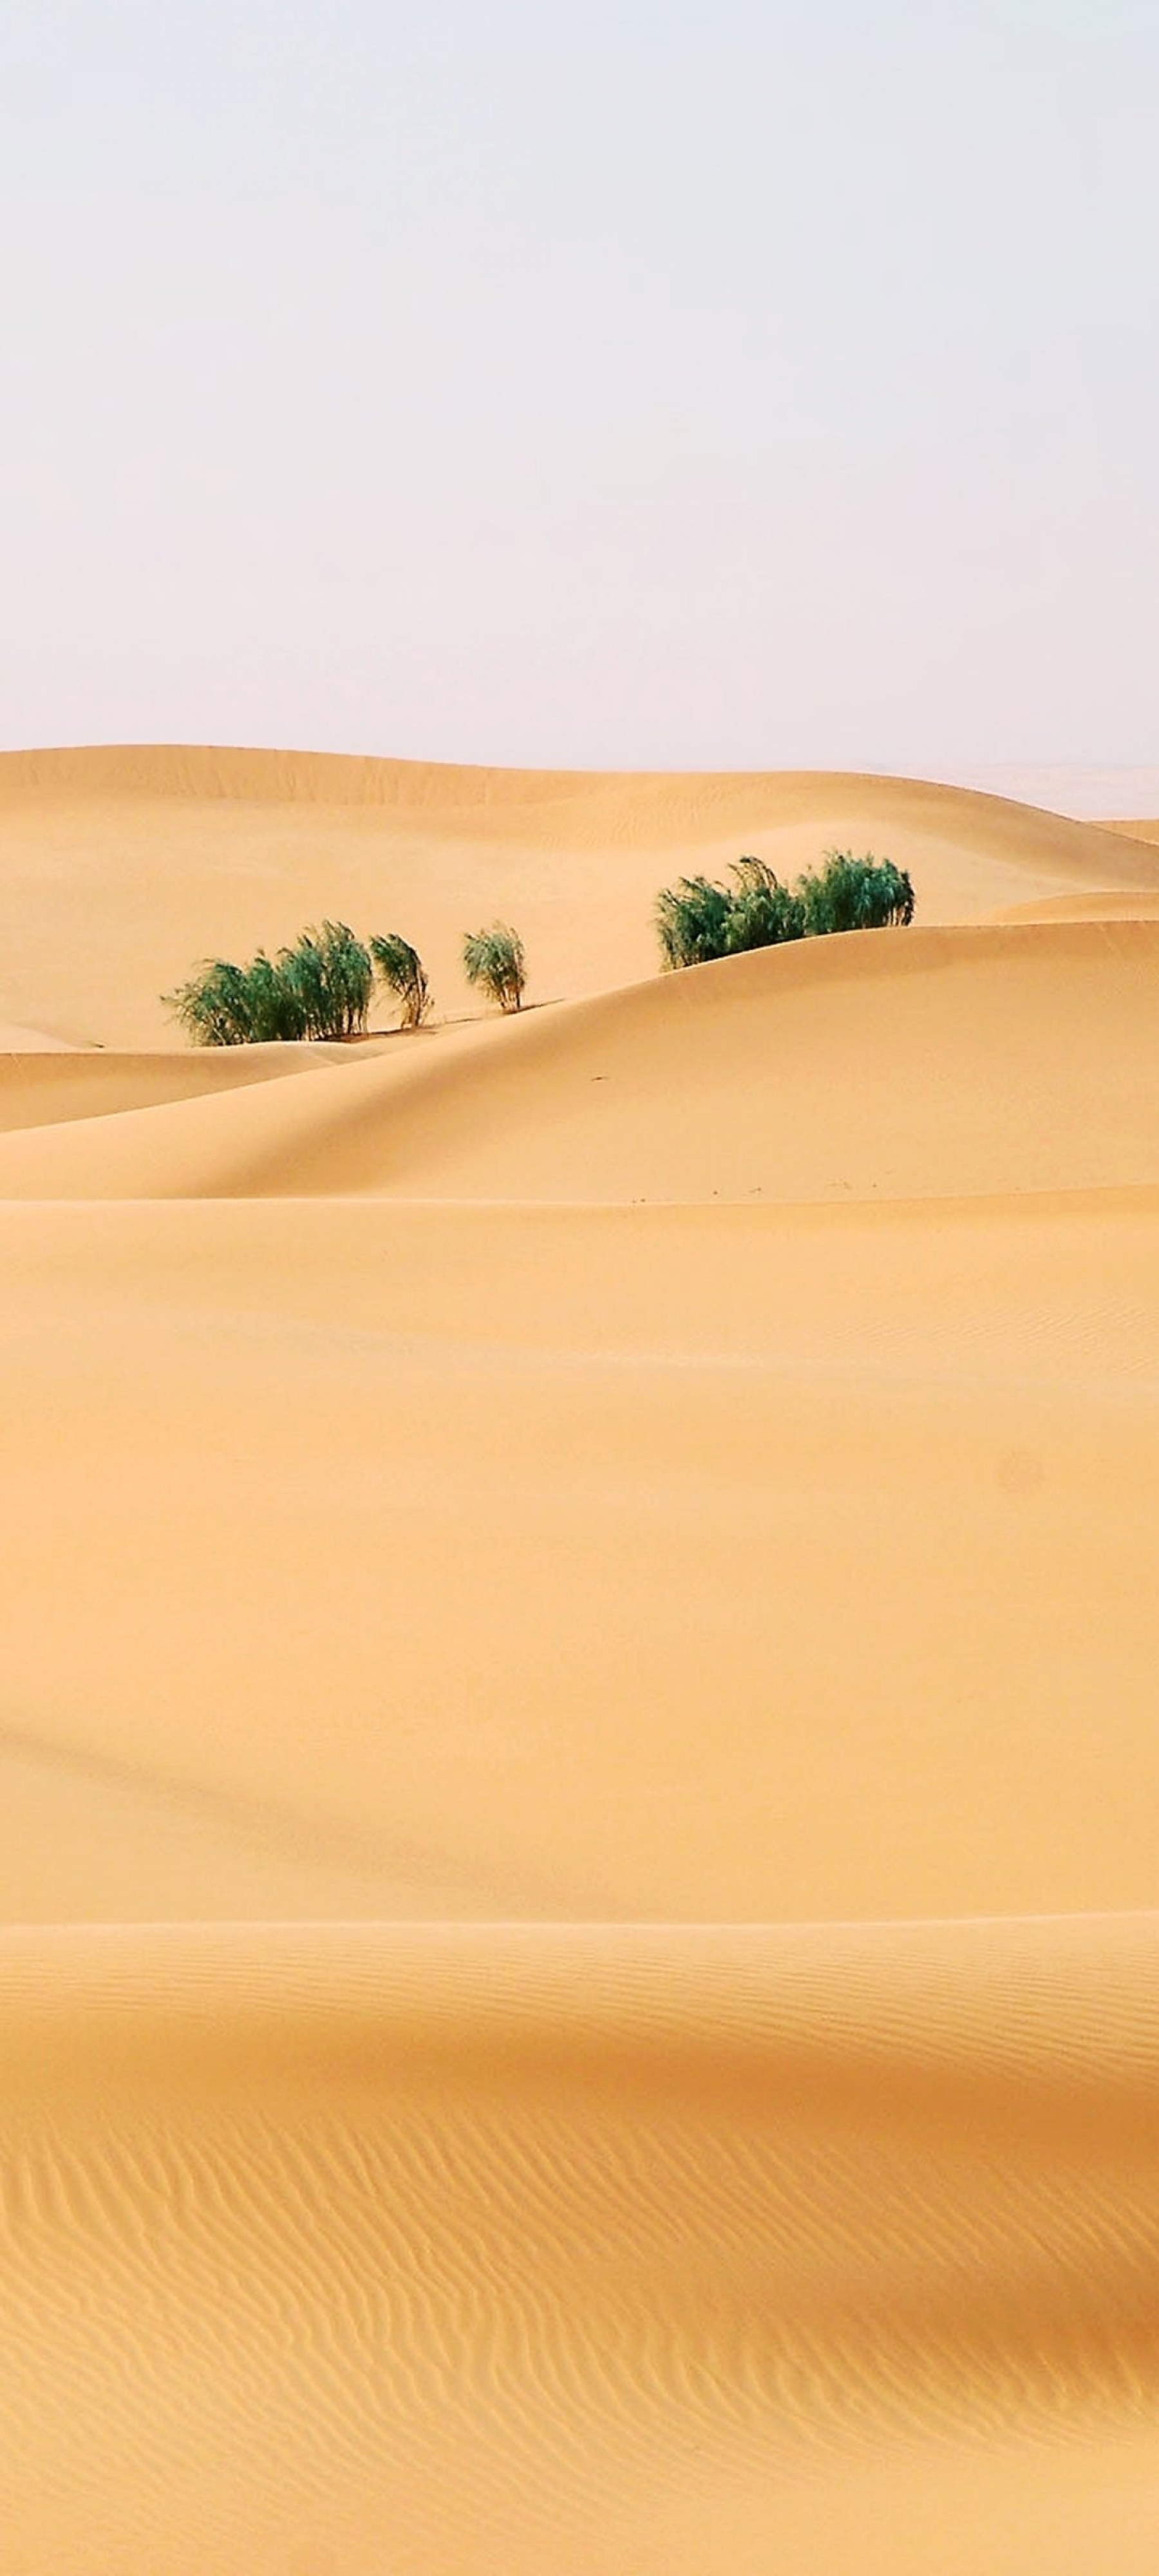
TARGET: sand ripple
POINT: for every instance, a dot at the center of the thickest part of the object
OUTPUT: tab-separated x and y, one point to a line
424	2230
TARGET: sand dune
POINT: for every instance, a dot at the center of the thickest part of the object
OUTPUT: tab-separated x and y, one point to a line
25	1042
578	1973
165	855
1094	906
41	1088
1146	831
619	2249
405	1552
883	1065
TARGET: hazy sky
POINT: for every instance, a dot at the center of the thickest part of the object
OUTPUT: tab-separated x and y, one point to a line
640	382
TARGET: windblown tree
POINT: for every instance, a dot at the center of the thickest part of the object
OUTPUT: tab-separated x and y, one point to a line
692	921
330	970
319	988
764	913
699	919
855	894
274	1008
214	1008
493	960
403	973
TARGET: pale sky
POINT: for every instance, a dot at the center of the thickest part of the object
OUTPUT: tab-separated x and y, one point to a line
675	383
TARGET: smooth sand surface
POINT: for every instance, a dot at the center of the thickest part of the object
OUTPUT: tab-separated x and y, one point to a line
1141	831
579	1975
43	1085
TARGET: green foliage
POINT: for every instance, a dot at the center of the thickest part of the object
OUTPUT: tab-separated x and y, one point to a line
698	919
330	975
320	988
273	1007
692	921
855	894
213	1007
494	961
764	913
404	975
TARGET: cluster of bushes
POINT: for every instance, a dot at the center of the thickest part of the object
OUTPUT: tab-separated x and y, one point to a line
698	919
323	986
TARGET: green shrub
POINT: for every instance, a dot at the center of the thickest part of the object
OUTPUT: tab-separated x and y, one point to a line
698	919
404	975
331	974
274	1009
494	961
692	919
213	1007
855	894
320	988
764	912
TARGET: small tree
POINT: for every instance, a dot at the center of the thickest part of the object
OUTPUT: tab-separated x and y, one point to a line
274	1007
698	919
330	974
213	1007
319	989
764	913
855	894
404	975
494	961
692	919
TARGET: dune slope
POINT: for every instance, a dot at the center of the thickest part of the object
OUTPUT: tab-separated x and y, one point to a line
578	1964
880	1065
584	2250
162	856
58	1086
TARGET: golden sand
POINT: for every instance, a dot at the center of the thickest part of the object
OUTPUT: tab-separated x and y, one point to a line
580	1989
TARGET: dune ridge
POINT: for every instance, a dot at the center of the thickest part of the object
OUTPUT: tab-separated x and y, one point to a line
578	1963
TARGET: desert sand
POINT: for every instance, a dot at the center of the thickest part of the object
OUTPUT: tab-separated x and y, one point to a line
579	1963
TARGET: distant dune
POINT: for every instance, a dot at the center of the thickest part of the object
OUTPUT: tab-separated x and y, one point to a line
1136	831
120	869
578	1975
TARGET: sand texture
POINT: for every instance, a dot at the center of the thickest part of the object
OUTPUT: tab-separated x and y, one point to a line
579	1951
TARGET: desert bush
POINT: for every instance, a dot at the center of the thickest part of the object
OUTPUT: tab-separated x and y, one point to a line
764	912
331	974
698	919
692	919
213	1007
273	1007
855	894
494	961
227	1005
320	988
404	975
